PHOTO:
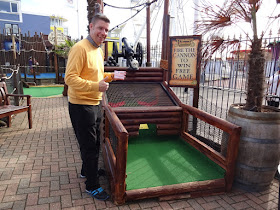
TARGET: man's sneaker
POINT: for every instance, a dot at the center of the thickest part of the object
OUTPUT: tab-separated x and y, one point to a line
83	176
98	194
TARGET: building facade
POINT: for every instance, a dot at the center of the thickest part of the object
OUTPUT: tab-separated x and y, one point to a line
14	21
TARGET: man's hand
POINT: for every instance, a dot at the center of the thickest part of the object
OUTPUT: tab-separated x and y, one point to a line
103	85
119	75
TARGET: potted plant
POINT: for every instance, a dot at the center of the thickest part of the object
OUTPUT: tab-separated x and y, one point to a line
259	150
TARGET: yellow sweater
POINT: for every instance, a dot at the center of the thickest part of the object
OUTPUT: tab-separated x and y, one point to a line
84	71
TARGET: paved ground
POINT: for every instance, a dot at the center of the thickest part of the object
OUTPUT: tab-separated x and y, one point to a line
39	169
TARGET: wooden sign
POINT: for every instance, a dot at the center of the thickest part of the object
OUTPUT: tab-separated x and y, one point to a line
56	37
183	61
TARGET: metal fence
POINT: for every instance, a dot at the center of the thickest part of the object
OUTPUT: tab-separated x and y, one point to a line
223	81
223	78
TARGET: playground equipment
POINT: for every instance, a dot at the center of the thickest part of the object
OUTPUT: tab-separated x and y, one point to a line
149	147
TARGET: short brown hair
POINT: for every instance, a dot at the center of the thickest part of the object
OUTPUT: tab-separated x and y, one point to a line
99	16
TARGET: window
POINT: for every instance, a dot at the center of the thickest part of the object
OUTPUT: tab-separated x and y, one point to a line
14	7
11	29
15	28
8	29
10	10
66	31
8	7
52	22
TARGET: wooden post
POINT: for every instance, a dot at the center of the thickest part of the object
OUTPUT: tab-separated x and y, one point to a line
15	81
14	47
165	31
148	63
23	53
55	58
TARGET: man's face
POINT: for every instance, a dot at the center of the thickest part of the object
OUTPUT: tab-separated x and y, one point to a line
99	31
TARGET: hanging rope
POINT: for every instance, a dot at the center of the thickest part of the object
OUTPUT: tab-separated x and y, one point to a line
14	71
105	4
146	4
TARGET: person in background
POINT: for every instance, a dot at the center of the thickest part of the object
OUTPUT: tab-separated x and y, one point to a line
87	82
273	91
30	65
31	62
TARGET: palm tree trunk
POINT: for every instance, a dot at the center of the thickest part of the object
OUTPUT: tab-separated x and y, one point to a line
90	10
256	69
255	77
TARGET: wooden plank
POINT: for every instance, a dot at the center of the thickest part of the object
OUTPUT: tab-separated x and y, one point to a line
111	158
172	94
228	163
205	149
141	69
143	79
149	115
121	155
144	74
150	120
174	189
168	126
133	133
107	167
210	119
118	110
232	153
132	127
115	121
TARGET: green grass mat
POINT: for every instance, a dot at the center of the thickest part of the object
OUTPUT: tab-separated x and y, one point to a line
165	160
44	91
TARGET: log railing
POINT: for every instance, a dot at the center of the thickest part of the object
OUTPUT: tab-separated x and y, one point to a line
115	160
141	75
228	162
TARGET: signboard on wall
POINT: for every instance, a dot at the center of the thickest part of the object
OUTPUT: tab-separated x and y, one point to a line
58	38
183	61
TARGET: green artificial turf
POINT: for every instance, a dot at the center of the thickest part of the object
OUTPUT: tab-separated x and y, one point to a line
43	91
165	160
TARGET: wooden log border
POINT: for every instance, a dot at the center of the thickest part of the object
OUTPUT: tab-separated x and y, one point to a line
124	124
228	162
142	75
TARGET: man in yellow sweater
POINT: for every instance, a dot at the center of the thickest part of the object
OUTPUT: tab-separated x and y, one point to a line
86	82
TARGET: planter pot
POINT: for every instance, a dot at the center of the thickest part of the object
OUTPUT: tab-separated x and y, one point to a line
259	148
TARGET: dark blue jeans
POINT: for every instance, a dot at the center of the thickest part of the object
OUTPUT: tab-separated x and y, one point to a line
86	123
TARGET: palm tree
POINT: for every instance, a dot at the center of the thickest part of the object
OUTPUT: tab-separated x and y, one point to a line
94	6
230	14
90	9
